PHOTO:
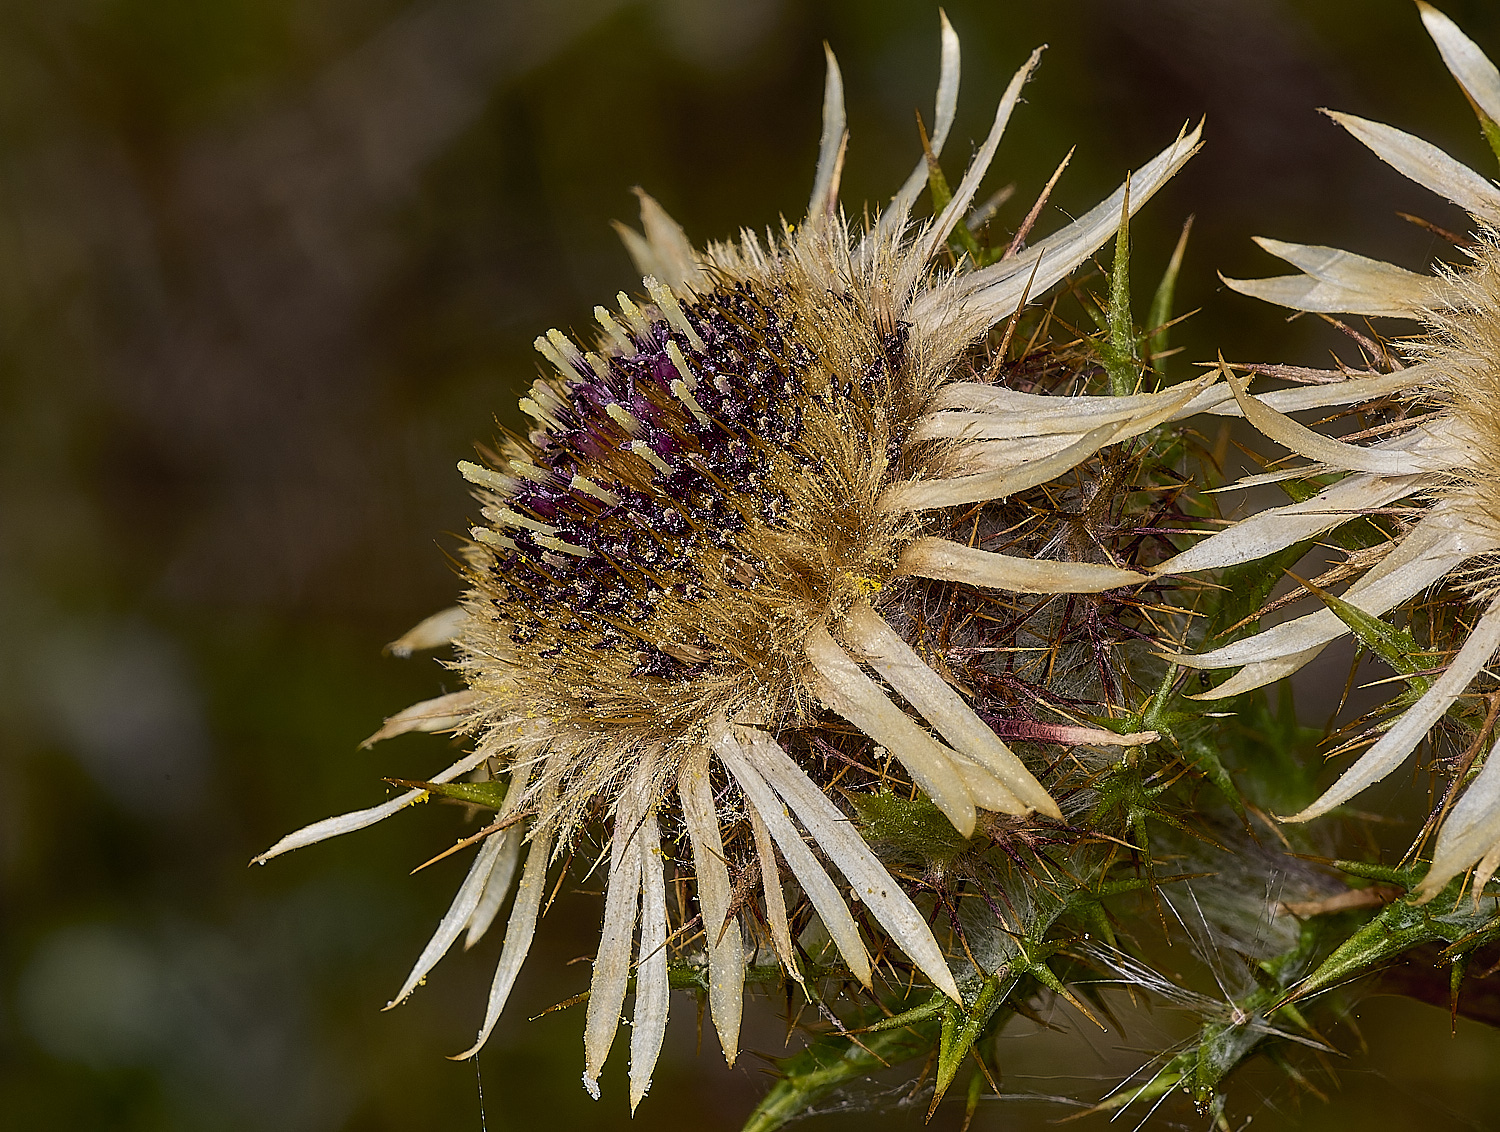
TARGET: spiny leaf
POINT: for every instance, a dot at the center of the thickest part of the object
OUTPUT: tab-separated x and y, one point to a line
830	1062
912	825
1048	978
1460	949
1193	744
1153	716
1399	926
1201	752
962	1026
1406	877
929	1009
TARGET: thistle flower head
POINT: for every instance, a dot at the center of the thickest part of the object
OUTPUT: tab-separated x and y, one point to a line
689	553
1444	453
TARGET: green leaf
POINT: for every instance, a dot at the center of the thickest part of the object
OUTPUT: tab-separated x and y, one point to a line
491	793
1245	590
1161	302
1119	356
910	825
1394	646
1488	127
1202	754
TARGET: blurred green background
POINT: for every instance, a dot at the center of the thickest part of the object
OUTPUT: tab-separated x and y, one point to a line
268	267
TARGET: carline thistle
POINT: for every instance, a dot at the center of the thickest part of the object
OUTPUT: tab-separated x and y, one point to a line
689	554
1441	453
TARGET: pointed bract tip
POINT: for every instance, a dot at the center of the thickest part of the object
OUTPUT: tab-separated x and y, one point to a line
1301	815
1350	122
1050	810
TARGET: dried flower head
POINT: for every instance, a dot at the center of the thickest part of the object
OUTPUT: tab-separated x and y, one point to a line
1445	452
689	553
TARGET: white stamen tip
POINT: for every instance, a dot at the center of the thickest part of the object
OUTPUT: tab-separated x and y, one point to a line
508	518
671	309
616	332
680	363
561	547
490	538
564	345
637	321
683	394
549	350
623	417
646	453
535	411
529	470
589	487
483	477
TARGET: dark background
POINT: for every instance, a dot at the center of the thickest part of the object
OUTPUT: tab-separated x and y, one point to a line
268	267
